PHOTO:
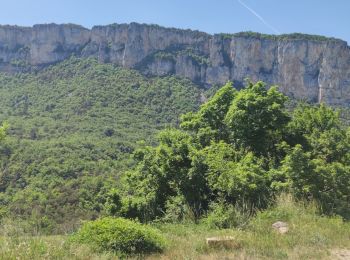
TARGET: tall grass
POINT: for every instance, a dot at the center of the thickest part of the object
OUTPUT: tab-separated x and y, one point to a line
311	236
16	243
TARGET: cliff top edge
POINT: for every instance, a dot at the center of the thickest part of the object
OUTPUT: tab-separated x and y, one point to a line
197	33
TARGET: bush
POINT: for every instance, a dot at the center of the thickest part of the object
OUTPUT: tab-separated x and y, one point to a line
178	210
121	236
222	215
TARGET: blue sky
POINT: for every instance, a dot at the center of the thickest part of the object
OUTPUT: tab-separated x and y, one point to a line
324	17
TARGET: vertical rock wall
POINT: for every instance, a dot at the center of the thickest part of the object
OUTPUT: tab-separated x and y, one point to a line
305	67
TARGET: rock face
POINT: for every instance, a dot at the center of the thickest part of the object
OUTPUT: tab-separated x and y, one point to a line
305	67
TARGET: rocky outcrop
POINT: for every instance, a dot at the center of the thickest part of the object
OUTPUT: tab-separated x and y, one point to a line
306	67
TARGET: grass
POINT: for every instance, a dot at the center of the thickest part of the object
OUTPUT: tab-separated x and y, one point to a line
310	237
46	247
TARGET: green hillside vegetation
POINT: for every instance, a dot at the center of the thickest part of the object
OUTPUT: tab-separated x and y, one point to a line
73	127
281	37
117	164
236	154
311	236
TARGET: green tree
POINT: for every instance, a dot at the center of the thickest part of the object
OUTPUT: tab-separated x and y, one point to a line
162	173
320	131
317	179
208	123
241	148
236	177
257	119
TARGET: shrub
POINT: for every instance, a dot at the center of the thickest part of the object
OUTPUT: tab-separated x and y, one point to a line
178	210
222	215
121	236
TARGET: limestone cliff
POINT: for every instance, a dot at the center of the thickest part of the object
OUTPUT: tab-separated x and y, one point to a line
304	66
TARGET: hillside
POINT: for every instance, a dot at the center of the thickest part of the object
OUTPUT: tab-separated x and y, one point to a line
73	127
233	170
135	140
309	67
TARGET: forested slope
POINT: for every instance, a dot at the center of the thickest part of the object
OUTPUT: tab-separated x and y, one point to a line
73	127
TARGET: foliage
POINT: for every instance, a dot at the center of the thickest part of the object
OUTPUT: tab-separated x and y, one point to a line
318	167
3	130
328	183
241	148
222	215
257	118
283	37
236	180
173	52
121	236
208	122
176	210
310	236
73	127
161	173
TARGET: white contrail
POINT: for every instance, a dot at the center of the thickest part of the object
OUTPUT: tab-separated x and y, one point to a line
259	17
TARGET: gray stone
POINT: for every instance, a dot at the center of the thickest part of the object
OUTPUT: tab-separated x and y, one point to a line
280	227
317	70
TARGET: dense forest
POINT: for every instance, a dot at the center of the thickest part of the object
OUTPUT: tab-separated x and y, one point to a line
72	129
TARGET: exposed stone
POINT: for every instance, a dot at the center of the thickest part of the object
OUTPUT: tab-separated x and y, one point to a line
280	227
227	242
315	69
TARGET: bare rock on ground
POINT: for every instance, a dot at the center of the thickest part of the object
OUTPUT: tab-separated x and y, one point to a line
281	227
227	242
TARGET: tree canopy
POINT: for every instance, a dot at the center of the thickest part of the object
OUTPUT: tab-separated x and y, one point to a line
241	148
73	128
